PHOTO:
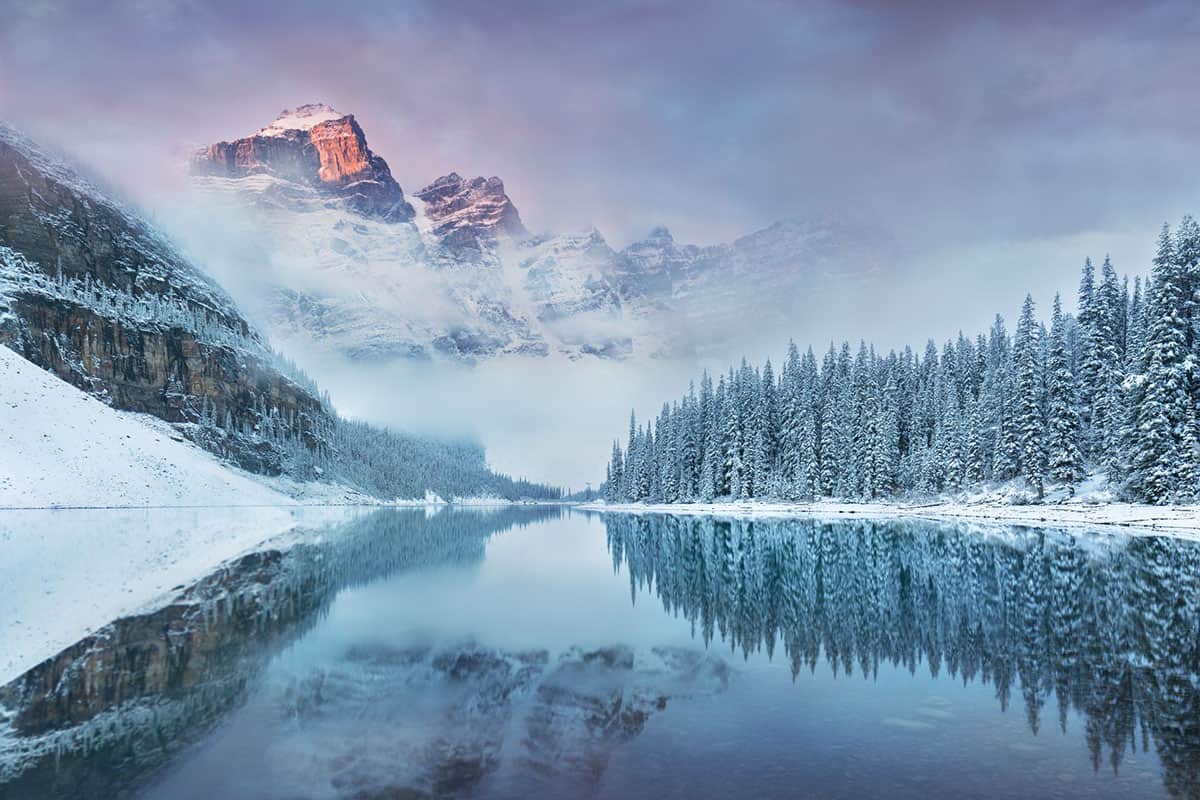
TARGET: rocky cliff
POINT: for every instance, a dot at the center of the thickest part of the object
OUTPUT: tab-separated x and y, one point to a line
470	213
317	146
92	293
462	278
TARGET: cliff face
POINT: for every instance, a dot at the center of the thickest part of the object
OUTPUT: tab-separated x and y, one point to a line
317	146
96	296
488	288
470	213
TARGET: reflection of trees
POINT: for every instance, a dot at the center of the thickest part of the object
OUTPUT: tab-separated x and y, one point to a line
112	708
1112	632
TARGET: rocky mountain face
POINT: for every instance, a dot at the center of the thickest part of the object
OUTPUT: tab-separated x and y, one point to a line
92	293
316	146
459	276
470	213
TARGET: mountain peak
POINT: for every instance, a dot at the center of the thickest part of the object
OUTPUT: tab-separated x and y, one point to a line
660	234
466	212
301	118
314	145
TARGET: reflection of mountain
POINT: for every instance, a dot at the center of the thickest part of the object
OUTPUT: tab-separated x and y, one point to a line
448	721
1112	634
114	707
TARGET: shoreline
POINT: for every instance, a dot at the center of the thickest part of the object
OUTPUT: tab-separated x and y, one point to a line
55	560
364	501
1121	517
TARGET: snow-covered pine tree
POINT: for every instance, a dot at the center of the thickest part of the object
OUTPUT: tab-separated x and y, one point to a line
845	417
1160	400
1002	405
616	472
791	416
1104	366
1030	419
766	422
1063	427
829	397
1086	319
808	473
629	471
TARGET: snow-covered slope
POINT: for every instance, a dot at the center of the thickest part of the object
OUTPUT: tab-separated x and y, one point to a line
62	447
92	292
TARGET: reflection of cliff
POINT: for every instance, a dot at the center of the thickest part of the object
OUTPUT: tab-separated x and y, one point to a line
114	706
1113	634
418	722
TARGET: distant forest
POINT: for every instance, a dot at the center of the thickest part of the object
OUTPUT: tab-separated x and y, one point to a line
379	461
1112	391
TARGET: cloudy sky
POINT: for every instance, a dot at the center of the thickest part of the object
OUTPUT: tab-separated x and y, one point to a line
955	122
998	142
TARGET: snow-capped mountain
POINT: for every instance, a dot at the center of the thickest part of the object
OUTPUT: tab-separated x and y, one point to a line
316	146
470	213
94	294
346	262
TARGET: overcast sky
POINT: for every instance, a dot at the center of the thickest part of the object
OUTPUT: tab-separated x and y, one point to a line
998	142
954	122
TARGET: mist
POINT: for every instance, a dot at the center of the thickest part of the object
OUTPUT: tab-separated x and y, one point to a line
553	419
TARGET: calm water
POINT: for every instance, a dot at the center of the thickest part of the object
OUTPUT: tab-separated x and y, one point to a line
542	652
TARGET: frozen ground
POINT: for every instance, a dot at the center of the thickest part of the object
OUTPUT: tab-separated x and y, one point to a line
62	447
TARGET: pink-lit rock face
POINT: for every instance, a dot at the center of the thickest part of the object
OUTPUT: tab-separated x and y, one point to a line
315	145
342	150
467	213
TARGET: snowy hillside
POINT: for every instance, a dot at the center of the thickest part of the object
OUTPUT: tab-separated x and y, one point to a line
94	294
62	447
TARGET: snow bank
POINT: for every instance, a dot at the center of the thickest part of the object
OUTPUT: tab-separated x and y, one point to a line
61	447
66	573
1119	517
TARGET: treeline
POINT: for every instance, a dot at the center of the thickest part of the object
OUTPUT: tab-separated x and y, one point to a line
381	462
1114	389
390	464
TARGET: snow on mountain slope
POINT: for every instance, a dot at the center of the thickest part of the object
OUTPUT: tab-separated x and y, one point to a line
459	276
302	118
470	213
62	447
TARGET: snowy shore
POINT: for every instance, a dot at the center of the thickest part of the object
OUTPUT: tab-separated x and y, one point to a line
1118	517
66	573
105	513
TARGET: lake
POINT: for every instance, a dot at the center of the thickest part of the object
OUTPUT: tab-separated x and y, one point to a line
548	652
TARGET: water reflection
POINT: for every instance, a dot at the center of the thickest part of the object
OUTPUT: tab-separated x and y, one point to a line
458	663
111	709
1105	625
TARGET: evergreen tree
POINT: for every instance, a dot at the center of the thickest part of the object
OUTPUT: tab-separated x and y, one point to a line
1030	420
808	470
1160	396
1062	416
1115	389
